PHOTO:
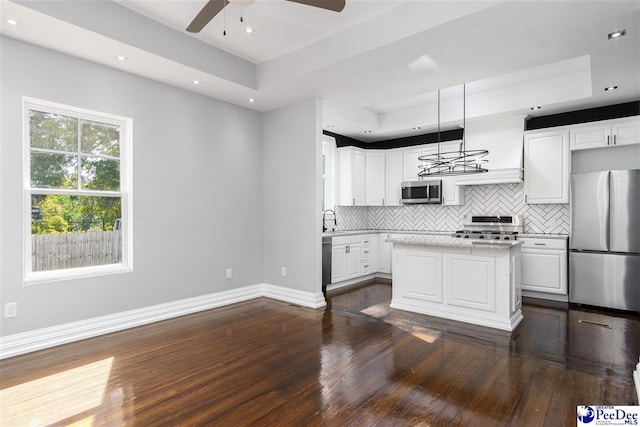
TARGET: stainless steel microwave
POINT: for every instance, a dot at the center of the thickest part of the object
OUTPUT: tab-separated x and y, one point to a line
429	191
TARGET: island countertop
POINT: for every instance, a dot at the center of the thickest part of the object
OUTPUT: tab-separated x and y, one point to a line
452	242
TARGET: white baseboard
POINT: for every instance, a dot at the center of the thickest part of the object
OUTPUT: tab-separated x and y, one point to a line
26	342
543	295
491	322
306	299
349	282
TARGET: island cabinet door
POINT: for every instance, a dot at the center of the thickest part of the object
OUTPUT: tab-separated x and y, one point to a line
420	277
470	281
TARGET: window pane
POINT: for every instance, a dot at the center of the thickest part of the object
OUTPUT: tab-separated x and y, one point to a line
53	131
100	174
100	138
54	170
74	231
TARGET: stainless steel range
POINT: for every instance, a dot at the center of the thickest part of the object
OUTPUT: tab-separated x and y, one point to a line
491	227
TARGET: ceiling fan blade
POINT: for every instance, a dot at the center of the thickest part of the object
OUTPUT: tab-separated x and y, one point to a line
334	5
211	9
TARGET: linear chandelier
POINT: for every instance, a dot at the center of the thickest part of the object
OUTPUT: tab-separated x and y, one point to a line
459	162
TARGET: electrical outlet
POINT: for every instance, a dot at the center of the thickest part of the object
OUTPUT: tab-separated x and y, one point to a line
229	273
11	309
283	271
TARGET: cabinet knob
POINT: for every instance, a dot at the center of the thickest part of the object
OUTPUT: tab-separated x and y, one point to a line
354	201
383	202
608	140
614	140
540	244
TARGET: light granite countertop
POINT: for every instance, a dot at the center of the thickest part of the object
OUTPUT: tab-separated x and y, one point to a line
452	242
434	233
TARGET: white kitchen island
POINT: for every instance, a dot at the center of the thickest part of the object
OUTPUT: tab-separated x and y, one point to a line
470	281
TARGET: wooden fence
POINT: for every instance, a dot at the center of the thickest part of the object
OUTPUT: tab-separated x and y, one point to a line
69	250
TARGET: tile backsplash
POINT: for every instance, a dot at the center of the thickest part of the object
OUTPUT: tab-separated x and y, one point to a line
479	199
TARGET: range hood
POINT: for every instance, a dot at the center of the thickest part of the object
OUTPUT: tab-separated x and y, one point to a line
496	176
503	137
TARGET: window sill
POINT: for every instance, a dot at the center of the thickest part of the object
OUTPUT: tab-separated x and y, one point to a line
75	273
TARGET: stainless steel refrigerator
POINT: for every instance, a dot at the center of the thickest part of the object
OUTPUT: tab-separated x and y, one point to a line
604	257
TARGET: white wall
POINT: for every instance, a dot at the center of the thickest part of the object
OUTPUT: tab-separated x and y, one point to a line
292	195
197	197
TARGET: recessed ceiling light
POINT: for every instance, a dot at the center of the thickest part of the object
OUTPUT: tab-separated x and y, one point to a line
249	30
330	126
368	131
12	21
251	100
617	34
121	58
610	88
417	128
535	108
196	82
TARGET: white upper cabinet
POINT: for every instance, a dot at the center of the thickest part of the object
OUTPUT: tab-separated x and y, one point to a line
452	194
546	167
607	133
374	178
410	163
393	174
351	176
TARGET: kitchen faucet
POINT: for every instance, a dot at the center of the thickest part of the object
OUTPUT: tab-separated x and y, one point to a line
335	220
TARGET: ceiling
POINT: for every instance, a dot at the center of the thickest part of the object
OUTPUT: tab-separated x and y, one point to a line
377	64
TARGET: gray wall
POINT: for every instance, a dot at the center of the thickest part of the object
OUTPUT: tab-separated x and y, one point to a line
292	195
197	197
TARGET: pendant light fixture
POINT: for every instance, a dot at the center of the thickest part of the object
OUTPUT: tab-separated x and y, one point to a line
459	162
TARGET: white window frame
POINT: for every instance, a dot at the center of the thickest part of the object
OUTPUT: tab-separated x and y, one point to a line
125	193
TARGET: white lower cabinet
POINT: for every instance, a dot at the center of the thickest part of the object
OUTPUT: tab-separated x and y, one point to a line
475	285
353	256
354	261
461	270
422	276
384	253
338	263
369	255
544	265
359	255
346	258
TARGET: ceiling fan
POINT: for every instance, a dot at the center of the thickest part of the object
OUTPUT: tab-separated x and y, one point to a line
213	7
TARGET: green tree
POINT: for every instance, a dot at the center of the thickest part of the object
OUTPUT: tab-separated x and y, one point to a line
97	159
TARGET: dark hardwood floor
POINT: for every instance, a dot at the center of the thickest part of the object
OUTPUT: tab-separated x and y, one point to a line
264	362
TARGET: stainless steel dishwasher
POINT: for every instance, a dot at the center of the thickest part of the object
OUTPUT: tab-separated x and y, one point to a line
326	262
